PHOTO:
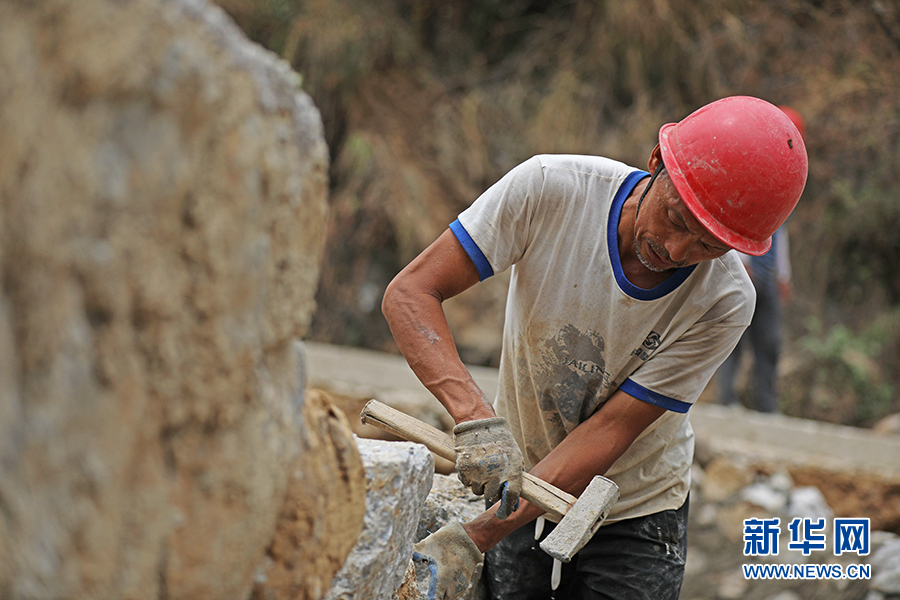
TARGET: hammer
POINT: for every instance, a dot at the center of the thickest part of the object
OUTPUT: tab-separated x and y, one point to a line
578	518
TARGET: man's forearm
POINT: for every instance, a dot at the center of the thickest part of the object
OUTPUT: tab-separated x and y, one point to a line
423	336
413	308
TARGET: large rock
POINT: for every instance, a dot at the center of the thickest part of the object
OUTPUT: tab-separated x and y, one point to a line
398	479
448	500
162	198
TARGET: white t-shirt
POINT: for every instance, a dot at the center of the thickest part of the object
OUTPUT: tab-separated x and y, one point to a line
576	330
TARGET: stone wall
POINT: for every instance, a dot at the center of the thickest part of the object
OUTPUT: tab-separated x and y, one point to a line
162	201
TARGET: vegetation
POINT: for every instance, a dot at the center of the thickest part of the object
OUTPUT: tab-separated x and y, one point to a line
427	102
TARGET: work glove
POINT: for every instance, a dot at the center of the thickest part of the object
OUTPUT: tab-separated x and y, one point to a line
447	562
489	461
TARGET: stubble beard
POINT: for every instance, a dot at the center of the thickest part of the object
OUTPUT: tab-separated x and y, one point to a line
650	264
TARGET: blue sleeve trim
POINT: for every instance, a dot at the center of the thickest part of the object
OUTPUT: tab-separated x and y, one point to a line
484	268
641	393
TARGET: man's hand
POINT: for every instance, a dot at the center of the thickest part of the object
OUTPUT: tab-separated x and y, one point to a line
447	563
489	461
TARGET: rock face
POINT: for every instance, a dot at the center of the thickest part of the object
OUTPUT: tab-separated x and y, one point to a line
398	479
448	500
400	509
162	202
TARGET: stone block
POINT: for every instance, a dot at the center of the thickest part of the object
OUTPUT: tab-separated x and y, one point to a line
398	479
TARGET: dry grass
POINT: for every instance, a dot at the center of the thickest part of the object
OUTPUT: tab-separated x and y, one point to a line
426	103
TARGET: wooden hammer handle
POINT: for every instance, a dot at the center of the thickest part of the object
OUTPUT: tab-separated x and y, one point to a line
540	493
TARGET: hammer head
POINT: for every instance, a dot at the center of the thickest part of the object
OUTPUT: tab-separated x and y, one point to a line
583	520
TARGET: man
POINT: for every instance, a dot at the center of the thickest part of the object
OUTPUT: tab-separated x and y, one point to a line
624	299
771	277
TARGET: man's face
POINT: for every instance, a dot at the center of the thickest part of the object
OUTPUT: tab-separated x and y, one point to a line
667	236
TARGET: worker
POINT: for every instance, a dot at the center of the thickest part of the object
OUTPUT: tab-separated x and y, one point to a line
624	299
771	277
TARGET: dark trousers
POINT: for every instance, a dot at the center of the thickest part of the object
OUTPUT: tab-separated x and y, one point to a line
763	339
635	559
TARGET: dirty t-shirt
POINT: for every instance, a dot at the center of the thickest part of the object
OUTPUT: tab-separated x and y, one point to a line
576	330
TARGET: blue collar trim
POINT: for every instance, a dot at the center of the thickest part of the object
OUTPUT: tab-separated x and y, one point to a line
677	277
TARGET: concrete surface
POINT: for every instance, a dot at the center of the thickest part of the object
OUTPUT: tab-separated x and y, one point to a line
763	437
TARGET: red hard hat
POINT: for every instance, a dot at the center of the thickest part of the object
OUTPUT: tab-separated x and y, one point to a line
740	165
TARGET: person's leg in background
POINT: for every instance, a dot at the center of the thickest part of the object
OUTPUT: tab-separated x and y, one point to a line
765	338
726	376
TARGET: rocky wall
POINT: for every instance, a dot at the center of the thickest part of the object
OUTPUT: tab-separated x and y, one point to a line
163	191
